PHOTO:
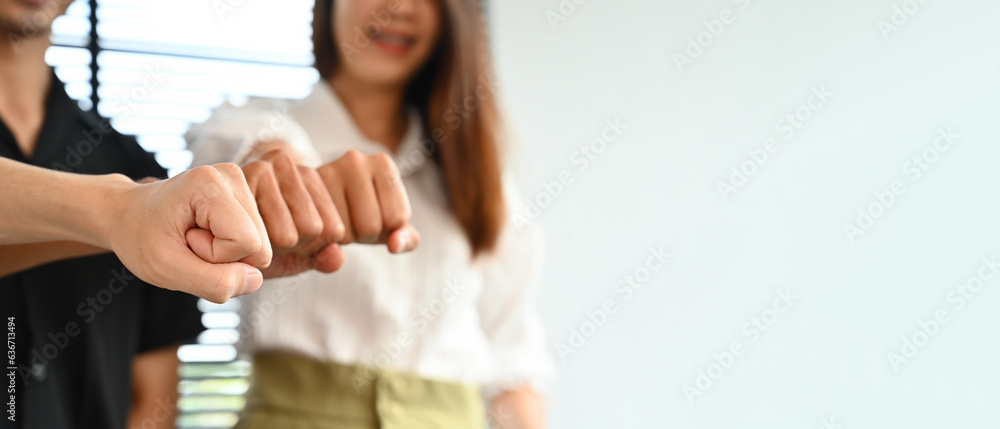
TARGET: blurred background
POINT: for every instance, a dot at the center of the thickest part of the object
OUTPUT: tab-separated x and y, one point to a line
819	178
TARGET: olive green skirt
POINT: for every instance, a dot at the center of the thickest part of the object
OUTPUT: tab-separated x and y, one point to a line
291	391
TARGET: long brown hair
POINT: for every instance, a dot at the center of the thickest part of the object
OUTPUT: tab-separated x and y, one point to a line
463	142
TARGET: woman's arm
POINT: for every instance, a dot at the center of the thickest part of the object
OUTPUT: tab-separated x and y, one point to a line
510	320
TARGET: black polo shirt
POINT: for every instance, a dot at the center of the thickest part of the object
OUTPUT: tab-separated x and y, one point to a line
78	323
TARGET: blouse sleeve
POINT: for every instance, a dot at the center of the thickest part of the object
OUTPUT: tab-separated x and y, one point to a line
507	309
231	132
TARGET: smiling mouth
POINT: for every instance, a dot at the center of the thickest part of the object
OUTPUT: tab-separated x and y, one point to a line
392	43
33	3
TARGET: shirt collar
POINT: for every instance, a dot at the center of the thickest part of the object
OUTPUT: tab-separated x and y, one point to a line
324	112
58	126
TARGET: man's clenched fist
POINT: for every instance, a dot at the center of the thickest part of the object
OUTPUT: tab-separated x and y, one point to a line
198	232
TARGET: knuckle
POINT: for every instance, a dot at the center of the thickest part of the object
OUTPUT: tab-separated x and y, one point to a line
267	254
264	167
383	162
307	173
285	241
284	158
262	175
311	227
392	180
348	237
368	228
253	244
253	169
279	158
351	158
326	171
397	218
229	169
284	238
269	154
205	174
336	232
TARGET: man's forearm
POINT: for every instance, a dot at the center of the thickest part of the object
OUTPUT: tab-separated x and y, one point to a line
199	232
19	257
39	205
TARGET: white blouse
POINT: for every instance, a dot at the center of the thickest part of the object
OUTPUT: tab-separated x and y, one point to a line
434	312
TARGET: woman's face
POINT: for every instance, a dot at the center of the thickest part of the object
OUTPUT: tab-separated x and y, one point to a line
385	42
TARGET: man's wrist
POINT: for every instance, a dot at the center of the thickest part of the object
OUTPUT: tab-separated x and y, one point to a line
100	218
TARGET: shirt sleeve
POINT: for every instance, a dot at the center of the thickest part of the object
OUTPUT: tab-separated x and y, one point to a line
507	308
231	132
168	317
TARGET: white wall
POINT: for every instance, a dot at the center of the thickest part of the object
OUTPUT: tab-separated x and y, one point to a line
826	357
